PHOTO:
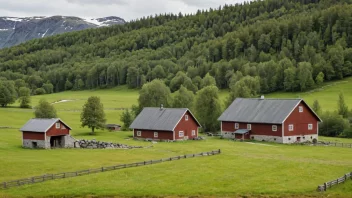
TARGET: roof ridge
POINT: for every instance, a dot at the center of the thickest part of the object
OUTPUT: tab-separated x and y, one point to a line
271	98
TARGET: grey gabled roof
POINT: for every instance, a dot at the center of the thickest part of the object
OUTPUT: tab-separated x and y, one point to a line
164	119
40	125
253	110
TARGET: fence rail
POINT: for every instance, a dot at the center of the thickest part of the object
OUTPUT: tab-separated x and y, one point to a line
337	181
335	144
47	177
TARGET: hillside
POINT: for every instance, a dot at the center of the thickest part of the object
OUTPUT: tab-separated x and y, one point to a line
16	30
280	45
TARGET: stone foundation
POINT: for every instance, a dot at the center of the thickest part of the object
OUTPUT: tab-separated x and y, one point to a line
35	144
267	138
285	140
304	138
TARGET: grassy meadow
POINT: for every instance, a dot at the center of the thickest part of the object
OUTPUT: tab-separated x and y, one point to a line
251	169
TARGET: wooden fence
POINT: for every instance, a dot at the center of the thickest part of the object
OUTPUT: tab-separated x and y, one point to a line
46	177
329	184
335	144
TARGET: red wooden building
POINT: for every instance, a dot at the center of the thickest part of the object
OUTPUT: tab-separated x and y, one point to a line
277	120
46	133
165	124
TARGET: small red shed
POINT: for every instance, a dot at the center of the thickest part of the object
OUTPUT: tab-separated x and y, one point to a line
165	124
276	120
46	133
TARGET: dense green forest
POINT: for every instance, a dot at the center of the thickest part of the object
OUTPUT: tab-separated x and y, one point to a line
256	47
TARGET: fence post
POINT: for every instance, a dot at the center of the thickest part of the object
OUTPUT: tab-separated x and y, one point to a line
219	151
64	174
345	177
185	156
144	162
325	186
102	169
170	159
151	161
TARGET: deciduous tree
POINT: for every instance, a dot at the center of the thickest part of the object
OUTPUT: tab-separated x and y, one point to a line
208	108
45	110
93	115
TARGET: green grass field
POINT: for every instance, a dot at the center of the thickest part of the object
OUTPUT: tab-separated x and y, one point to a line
242	168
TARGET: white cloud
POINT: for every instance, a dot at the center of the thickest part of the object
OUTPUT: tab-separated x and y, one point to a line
127	9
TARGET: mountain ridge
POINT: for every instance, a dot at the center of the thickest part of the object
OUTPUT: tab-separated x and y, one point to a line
16	30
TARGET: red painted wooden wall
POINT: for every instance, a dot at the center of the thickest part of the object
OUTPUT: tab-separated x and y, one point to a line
300	121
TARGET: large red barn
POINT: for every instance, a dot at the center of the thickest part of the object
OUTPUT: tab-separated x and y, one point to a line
46	133
276	120
165	124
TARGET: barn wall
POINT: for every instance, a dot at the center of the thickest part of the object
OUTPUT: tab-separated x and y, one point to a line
162	135
186	127
257	129
53	131
300	122
33	136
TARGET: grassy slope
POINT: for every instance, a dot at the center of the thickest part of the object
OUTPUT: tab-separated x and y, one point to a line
275	170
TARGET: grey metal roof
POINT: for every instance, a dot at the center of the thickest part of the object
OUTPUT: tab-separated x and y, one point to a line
40	125
242	131
164	119
253	110
113	125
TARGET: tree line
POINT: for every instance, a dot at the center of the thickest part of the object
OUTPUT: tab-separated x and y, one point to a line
275	45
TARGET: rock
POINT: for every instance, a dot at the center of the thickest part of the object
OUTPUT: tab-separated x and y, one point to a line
77	145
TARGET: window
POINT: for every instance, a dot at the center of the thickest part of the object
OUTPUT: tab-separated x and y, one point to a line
186	117
58	125
310	126
193	132
249	126
290	127
180	134
274	128
300	108
63	127
155	134
237	126
139	133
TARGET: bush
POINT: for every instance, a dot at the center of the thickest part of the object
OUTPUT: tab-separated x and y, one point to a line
333	125
39	91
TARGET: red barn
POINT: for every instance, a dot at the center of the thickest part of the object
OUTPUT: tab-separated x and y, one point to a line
276	120
46	133
165	124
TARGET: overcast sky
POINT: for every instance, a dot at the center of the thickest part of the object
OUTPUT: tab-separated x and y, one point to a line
127	9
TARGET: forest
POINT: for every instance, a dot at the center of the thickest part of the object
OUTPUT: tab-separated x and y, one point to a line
250	48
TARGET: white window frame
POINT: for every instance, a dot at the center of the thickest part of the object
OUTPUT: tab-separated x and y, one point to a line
290	127
237	125
186	117
156	134
193	132
58	125
249	126
274	127
310	127
181	132
139	133
300	109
